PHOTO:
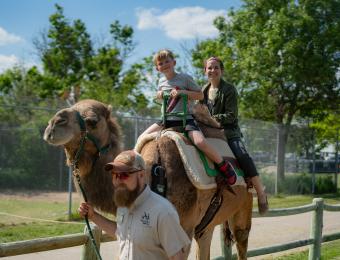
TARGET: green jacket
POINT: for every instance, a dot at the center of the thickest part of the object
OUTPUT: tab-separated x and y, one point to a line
225	108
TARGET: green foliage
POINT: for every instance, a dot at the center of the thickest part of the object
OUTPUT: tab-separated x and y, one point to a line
328	127
23	165
324	185
122	35
19	89
299	184
72	65
14	178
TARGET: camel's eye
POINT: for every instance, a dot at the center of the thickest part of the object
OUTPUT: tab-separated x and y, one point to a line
91	122
61	121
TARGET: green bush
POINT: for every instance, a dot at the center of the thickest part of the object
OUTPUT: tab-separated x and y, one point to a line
299	183
324	185
14	178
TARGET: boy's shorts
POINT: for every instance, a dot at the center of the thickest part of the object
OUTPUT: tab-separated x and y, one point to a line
191	124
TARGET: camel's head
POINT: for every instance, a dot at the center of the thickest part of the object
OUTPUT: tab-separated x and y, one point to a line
91	138
62	127
65	126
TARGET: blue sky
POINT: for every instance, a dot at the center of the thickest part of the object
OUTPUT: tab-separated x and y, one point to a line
157	24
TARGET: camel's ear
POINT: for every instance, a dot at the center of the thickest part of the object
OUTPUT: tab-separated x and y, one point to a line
108	112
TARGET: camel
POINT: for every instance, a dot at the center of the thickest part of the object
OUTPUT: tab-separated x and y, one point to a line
64	130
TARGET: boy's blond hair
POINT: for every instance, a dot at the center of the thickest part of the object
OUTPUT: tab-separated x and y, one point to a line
163	54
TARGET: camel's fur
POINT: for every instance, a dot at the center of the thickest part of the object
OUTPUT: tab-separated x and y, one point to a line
190	202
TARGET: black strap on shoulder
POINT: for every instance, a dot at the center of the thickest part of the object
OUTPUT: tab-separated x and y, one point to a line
215	204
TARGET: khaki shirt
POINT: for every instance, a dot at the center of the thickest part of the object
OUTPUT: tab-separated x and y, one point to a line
149	229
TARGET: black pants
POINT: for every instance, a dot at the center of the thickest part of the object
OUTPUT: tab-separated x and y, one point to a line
245	161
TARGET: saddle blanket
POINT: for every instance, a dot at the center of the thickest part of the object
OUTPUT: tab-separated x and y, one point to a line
192	162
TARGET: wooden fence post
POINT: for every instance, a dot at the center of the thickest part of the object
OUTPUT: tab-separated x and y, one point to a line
88	252
226	249
316	230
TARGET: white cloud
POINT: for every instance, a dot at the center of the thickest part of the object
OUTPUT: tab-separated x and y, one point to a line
8	38
180	23
7	62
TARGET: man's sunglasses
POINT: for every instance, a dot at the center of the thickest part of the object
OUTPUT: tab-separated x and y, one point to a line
123	175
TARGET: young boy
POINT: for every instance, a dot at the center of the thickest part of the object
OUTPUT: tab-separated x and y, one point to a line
176	84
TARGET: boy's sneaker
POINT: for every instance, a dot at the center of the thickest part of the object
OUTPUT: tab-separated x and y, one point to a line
228	171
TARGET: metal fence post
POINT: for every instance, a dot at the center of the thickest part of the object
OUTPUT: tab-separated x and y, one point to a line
316	230
88	252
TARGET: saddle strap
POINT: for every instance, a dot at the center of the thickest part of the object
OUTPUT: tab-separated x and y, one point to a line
215	204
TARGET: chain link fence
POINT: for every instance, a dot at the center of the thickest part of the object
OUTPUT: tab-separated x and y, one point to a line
27	162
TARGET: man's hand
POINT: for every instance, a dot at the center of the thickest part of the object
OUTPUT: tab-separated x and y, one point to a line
86	209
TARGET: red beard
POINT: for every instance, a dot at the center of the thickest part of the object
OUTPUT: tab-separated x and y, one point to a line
123	197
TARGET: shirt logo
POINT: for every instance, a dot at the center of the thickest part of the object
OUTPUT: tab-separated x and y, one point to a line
145	219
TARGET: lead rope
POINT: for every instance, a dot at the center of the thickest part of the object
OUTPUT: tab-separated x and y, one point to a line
75	171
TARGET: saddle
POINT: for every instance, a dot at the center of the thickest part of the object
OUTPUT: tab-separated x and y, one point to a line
193	165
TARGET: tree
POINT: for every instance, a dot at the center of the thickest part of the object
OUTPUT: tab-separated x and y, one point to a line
328	127
284	56
69	57
20	89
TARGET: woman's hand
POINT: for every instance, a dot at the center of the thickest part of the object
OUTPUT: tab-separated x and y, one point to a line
86	209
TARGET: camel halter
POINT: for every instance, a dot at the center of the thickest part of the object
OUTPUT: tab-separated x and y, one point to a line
84	136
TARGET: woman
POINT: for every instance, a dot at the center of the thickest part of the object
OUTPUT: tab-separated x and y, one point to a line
221	99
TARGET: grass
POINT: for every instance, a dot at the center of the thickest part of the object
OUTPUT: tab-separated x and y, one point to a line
14	228
25	231
330	251
286	201
34	209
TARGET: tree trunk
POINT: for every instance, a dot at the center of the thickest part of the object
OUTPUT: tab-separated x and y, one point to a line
282	135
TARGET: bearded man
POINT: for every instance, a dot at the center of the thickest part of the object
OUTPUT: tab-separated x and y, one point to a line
147	225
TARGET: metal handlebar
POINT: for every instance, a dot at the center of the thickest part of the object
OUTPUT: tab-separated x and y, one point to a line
183	114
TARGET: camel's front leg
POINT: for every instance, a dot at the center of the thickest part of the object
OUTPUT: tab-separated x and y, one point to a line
203	244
